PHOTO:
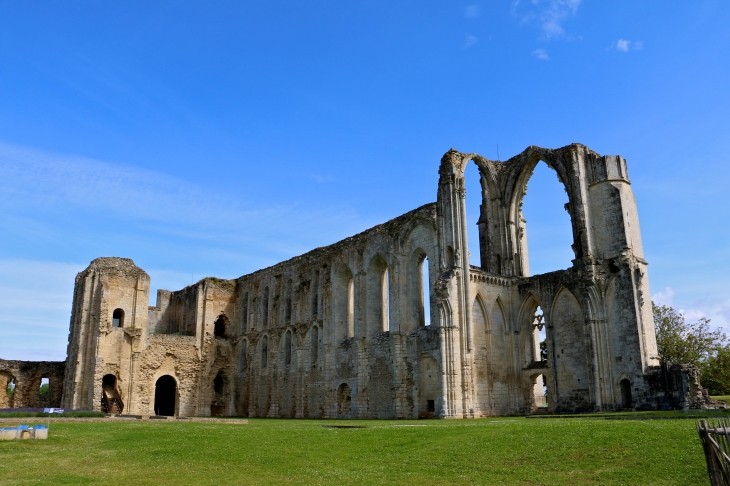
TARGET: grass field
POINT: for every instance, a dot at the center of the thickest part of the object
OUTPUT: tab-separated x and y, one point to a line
487	451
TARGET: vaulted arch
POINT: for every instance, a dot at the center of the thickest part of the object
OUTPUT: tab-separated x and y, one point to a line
479	315
516	194
570	348
532	327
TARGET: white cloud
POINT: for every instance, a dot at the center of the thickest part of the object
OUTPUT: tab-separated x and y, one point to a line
624	45
664	297
471	11
35	182
470	41
550	14
541	54
68	206
35	306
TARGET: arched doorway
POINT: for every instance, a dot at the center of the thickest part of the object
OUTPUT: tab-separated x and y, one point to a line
344	400
165	396
217	406
7	395
111	401
625	393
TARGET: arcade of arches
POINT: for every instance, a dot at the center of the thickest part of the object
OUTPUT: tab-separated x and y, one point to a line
395	322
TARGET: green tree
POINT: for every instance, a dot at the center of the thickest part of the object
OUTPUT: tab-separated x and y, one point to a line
680	341
695	343
716	372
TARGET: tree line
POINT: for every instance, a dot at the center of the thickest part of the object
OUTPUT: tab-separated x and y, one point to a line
695	343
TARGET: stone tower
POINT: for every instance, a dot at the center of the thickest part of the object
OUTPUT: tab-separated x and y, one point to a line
108	327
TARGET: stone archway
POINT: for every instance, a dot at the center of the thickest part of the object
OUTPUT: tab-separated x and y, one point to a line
165	396
344	400
9	387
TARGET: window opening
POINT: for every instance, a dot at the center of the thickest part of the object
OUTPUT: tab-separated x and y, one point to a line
10	388
386	300
45	386
473	186
219	327
539	336
117	318
548	230
426	292
351	308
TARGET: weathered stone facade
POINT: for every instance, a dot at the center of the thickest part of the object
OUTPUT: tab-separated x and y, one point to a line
347	331
24	378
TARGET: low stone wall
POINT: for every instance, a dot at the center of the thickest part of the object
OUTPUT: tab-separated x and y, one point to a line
677	387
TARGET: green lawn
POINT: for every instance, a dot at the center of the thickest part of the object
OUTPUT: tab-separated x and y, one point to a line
486	451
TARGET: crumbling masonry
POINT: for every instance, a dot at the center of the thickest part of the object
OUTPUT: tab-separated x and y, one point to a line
348	331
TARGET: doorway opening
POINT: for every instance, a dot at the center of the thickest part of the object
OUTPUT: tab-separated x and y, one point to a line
217	406
344	400
625	394
111	401
165	396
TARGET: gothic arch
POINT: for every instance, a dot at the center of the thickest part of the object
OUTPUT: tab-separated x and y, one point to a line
500	316
515	190
570	347
529	303
411	227
481	329
530	341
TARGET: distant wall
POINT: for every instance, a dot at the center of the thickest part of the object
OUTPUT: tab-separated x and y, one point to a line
27	376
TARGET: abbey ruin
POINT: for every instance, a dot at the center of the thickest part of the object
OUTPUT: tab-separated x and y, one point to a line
347	330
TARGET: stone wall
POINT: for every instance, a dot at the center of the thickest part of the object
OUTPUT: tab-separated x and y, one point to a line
351	330
27	377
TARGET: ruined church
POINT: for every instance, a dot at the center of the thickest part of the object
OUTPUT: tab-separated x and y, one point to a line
394	322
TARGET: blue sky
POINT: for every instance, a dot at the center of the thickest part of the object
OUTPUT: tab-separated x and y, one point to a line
217	138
